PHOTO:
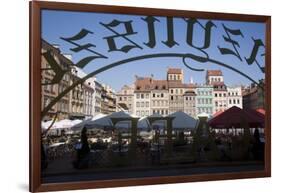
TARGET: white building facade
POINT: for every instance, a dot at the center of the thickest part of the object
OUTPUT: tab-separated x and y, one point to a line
159	97
204	99
234	97
142	96
220	97
125	99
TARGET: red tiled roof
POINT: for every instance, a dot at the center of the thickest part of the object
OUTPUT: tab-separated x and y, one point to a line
159	84
143	84
214	73
190	85
219	86
174	71
147	84
177	84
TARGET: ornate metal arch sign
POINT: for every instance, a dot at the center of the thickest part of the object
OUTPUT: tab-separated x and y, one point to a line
123	96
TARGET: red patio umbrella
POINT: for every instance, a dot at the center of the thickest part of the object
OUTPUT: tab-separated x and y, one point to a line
234	117
217	113
256	113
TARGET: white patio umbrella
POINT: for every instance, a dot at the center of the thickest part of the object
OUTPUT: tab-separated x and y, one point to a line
99	120
122	124
156	124
46	124
183	121
76	121
143	123
107	122
57	127
102	121
121	114
79	126
63	124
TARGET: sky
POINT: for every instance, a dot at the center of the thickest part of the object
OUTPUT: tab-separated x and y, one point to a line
57	24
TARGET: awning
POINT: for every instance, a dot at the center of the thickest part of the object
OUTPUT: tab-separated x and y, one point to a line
234	118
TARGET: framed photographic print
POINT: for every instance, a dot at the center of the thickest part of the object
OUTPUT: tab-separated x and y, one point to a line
123	96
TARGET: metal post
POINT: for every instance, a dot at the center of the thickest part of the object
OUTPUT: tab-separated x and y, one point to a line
133	144
169	137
